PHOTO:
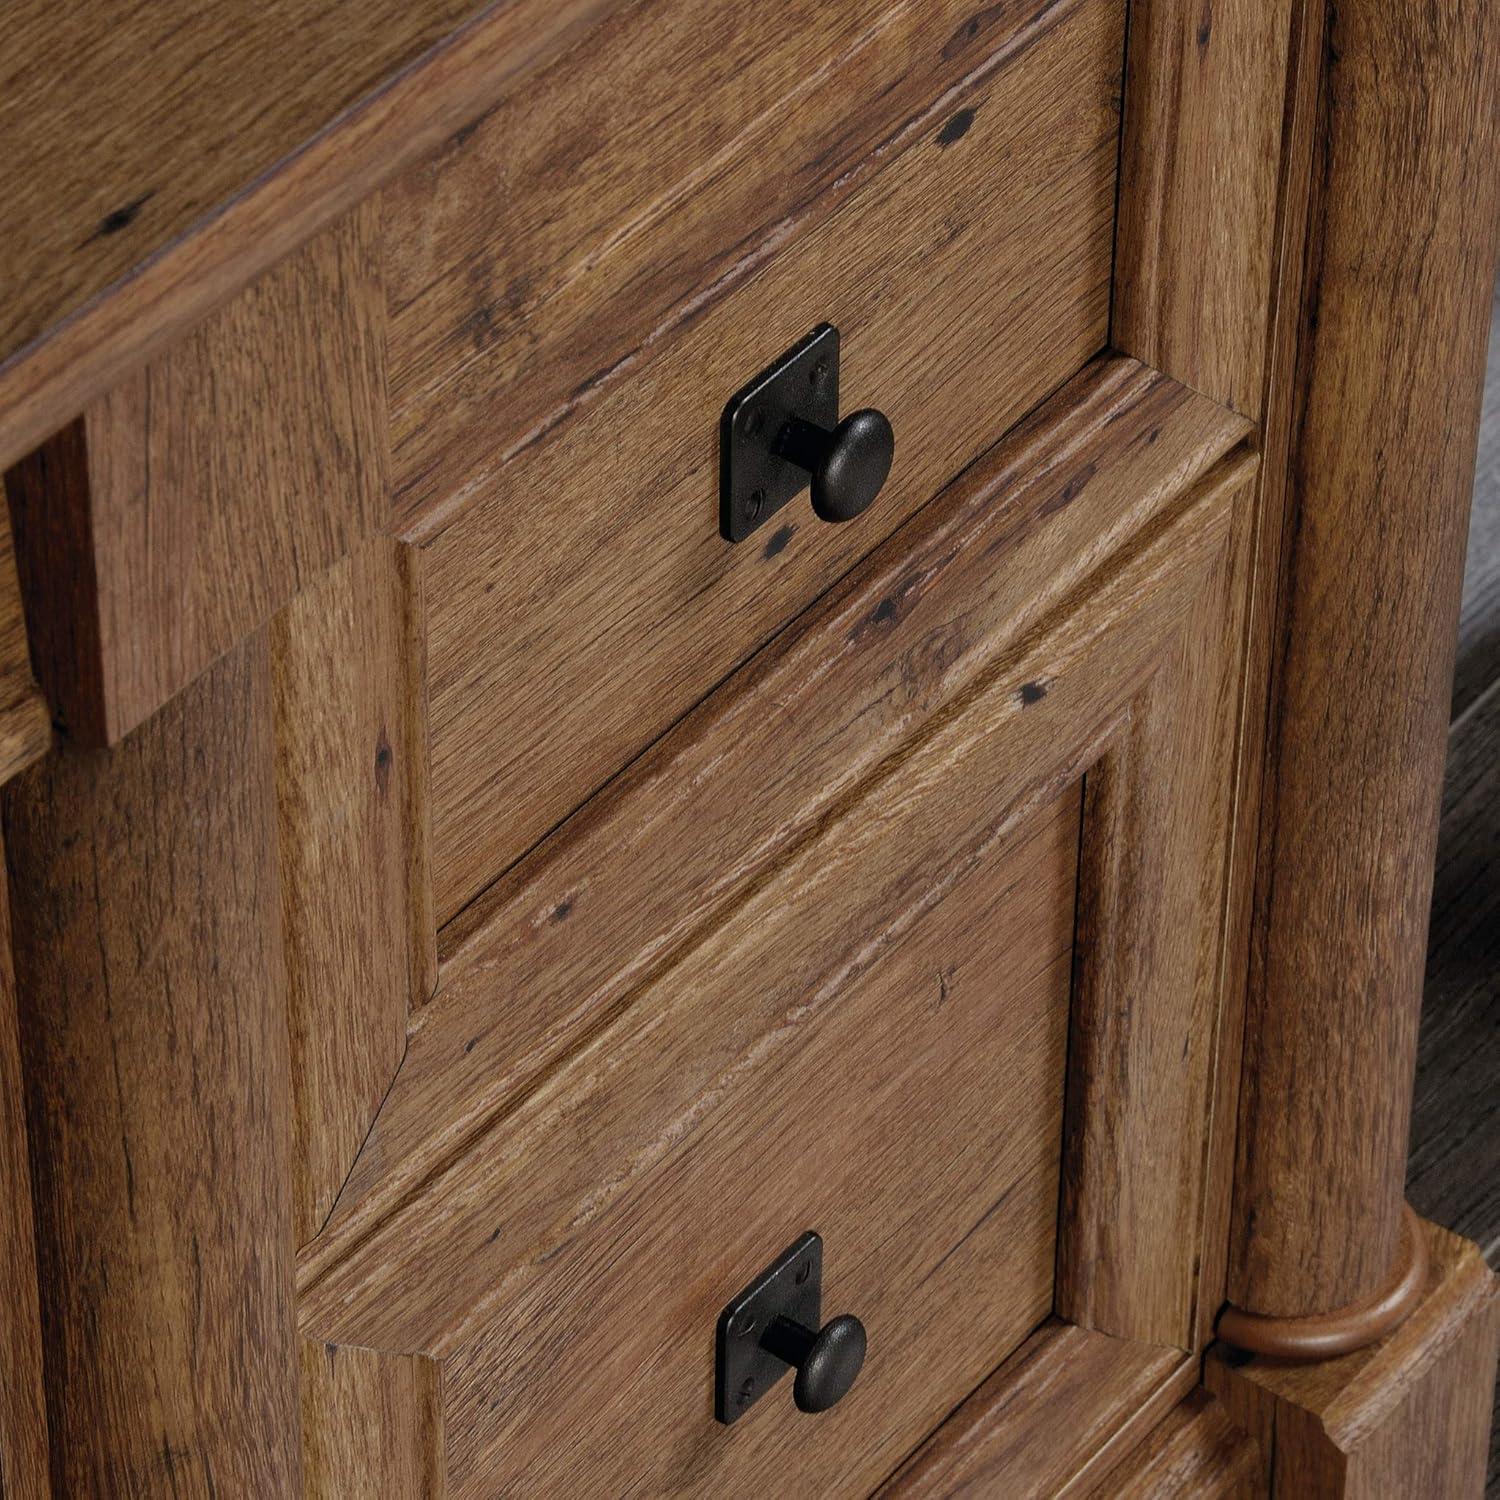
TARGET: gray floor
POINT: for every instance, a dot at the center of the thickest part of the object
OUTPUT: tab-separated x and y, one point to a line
1454	1177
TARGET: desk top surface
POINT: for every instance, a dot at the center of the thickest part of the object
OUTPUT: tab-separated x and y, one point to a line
130	130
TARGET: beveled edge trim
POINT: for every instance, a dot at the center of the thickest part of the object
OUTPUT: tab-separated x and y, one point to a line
1326	1335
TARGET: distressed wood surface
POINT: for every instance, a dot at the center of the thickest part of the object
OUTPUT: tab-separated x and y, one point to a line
356	891
1397	296
1111	451
1063	1380
148	958
158	168
673	155
638	1071
610	618
495	1246
1406	1416
23	1399
195	498
1199	178
1158	820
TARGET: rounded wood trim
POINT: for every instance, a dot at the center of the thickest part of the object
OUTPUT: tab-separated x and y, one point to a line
1324	1335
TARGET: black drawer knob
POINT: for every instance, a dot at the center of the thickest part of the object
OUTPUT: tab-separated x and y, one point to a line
848	464
827	1362
783	428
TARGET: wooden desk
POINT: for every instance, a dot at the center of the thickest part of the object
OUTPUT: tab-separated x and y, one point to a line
467	917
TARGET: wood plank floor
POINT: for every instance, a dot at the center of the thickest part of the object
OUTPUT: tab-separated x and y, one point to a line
1454	1175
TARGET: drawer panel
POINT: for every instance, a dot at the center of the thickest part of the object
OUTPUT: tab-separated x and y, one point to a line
910	1111
813	963
650	163
583	599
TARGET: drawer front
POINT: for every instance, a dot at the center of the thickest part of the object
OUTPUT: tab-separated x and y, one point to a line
815	963
904	1099
580	598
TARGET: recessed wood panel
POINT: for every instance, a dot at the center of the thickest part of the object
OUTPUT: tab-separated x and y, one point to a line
1000	553
584	600
932	1179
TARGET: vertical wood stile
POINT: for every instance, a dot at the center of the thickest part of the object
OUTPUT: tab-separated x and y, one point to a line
349	686
147	939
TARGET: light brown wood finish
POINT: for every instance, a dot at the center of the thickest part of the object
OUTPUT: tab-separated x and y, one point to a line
679	150
25	726
1195	1451
194	499
146	930
1198	192
1407	1416
584	599
1115	448
240	173
1396	296
23	1402
1064	1379
351	785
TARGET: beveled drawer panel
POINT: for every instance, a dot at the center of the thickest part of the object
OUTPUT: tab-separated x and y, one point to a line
583	600
835	987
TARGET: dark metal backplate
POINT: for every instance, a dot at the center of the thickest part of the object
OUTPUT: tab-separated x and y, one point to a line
754	482
792	1287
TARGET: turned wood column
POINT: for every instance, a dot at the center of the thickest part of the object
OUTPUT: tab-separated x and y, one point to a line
1398	130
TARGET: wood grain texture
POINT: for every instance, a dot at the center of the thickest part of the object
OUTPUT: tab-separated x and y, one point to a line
1194	1451
1406	1416
372	1425
1005	1437
356	891
1400	266
196	497
23	1402
1003	551
188	174
584	600
25	725
149	964
934	950
1199	163
1453	1175
670	156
